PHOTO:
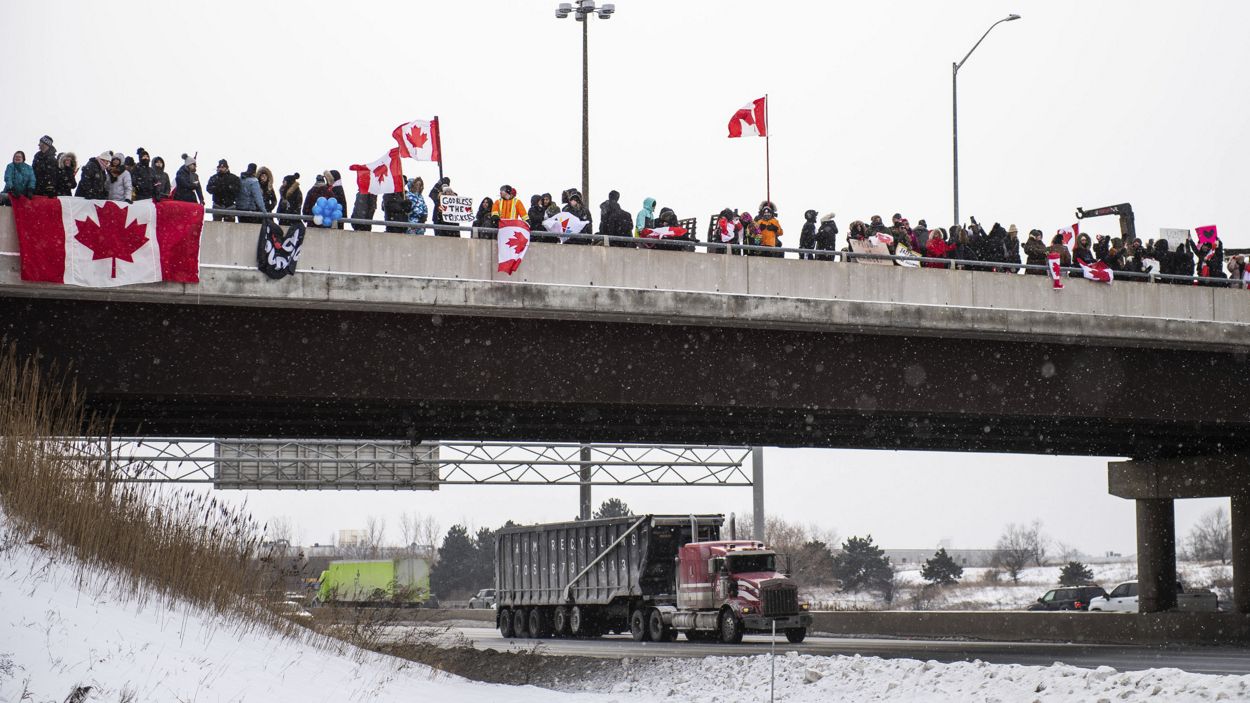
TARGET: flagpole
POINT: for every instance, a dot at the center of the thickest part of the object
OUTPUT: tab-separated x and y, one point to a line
768	175
439	141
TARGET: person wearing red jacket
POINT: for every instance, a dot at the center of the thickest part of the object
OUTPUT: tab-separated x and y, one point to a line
937	248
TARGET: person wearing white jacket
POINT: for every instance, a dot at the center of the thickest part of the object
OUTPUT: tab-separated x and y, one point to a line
120	185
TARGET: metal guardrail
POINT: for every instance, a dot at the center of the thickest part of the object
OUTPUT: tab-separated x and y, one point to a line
819	255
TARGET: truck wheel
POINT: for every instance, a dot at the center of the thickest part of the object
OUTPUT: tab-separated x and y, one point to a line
659	631
505	623
560	622
796	635
638	626
520	623
730	627
538	625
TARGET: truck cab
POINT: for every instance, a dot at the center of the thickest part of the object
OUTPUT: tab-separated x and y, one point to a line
730	587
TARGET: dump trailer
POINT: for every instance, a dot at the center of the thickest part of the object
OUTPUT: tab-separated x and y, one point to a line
653	576
378	582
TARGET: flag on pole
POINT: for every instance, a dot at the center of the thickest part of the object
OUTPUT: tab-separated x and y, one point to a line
383	176
106	243
662	232
750	120
1098	271
1206	235
512	243
419	140
1052	267
1070	233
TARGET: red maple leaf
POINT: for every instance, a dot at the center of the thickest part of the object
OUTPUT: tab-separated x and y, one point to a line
380	172
518	242
112	238
417	138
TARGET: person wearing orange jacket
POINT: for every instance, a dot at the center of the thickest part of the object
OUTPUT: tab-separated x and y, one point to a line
770	229
507	207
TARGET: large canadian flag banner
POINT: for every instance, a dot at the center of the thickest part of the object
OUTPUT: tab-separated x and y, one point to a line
513	242
383	176
106	243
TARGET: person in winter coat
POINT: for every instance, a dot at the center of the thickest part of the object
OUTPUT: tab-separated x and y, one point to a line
1011	250
250	198
827	237
121	187
1182	261
484	220
535	217
418	212
936	247
1035	252
290	197
142	177
770	230
436	207
395	208
1132	258
1058	247
19	177
1210	260
507	207
807	237
224	187
614	221
578	209
66	173
186	182
320	189
336	190
160	180
1082	254
44	166
645	219
727	231
265	178
364	208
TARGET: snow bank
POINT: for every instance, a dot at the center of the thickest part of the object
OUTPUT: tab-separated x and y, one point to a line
813	679
57	634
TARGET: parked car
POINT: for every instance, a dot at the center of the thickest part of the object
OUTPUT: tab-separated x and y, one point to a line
485	598
1123	599
1068	598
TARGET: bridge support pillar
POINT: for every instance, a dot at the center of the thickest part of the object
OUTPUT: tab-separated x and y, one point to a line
1241	552
757	493
584	502
1156	555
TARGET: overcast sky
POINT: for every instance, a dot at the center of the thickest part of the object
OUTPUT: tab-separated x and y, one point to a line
1077	104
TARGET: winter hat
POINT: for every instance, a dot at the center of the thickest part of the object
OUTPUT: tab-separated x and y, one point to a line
222	162
188	160
251	169
1012	230
922	223
141	153
337	176
321	179
505	188
810	215
46	141
327	177
828	217
614	195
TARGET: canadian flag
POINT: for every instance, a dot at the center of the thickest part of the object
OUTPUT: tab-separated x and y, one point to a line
564	223
1070	233
382	176
1052	267
513	241
729	229
751	120
662	232
419	140
1098	271
883	238
106	243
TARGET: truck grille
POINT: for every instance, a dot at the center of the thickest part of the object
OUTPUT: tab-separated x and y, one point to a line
781	601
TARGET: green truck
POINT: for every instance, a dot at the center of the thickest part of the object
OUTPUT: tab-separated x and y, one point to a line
401	582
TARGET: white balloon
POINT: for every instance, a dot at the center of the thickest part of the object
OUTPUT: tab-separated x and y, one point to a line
317	219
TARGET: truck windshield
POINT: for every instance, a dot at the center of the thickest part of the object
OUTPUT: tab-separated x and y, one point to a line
752	563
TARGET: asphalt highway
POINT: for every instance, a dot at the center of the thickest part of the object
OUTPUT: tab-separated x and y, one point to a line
1195	659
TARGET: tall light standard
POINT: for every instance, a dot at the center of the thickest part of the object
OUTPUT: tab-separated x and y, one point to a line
582	11
955	103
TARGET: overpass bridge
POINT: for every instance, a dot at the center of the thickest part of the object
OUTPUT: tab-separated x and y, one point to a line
391	336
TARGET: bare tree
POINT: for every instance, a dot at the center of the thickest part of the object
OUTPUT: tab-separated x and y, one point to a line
1067	552
1015	548
280	534
428	535
1211	537
1037	543
375	534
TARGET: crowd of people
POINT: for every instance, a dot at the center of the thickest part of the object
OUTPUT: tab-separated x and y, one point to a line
116	176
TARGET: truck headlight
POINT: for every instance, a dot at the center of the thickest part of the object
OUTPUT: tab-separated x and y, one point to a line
806	606
746	609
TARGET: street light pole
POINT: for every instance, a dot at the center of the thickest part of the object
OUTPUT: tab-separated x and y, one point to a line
955	107
582	11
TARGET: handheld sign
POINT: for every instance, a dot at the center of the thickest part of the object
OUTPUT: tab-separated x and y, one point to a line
456	208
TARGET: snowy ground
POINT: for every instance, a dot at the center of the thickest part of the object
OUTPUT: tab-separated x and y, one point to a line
976	592
58	633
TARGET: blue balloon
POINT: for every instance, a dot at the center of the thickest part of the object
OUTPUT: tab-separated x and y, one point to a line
321	201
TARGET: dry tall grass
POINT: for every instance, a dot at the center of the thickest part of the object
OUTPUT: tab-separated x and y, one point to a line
140	541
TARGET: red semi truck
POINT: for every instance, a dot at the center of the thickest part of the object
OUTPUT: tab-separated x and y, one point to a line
653	576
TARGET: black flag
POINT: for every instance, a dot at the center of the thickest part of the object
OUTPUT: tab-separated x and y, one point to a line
276	253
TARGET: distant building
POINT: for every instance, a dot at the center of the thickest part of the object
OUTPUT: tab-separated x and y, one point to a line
350	539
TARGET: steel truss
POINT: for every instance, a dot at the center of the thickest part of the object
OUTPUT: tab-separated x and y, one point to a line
295	464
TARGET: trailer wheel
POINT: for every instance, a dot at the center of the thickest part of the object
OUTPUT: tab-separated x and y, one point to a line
520	623
560	622
796	635
730	627
638	626
659	631
505	623
539	624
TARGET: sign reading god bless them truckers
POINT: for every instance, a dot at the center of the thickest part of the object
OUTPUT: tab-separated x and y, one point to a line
456	208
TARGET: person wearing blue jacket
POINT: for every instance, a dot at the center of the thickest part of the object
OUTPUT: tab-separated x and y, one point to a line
19	177
646	216
250	196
